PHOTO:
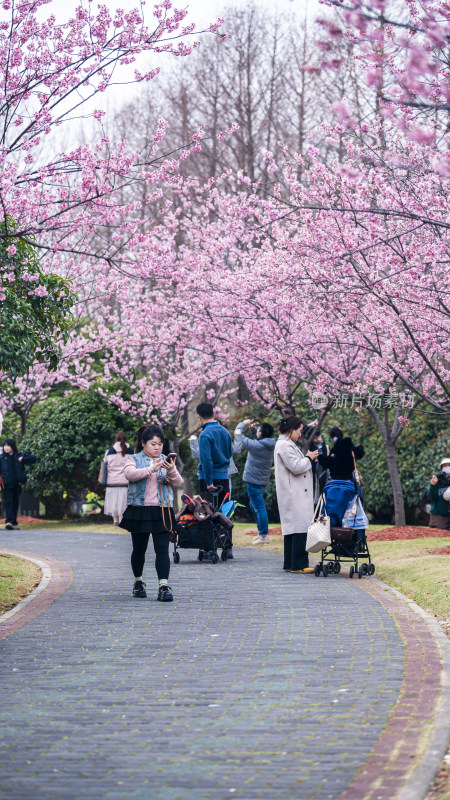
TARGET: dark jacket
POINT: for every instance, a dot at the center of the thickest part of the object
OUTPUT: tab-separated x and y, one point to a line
435	493
340	459
215	450
12	471
258	466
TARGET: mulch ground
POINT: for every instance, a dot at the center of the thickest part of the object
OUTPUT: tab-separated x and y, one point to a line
22	520
388	534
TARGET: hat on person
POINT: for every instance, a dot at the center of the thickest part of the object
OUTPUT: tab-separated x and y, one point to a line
444	461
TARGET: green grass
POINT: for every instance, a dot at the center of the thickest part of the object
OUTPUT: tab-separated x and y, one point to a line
17	579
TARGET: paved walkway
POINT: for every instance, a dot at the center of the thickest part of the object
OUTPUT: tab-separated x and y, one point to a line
252	683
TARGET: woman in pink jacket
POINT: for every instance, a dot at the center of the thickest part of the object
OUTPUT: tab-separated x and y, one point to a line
151	476
117	484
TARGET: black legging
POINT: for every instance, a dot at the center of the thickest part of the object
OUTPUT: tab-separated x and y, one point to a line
161	546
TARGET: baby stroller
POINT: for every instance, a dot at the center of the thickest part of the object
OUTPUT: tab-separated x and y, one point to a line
347	544
202	526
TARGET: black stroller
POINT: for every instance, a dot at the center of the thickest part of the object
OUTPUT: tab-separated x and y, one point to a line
348	545
203	526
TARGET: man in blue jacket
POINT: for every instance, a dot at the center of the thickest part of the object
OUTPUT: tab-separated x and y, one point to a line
257	470
215	450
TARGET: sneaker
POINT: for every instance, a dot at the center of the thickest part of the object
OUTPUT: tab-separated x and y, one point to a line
9	526
260	540
165	594
305	571
139	589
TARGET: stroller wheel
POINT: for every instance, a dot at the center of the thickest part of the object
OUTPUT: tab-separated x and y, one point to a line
224	554
365	569
214	558
371	569
337	567
361	571
176	558
200	555
325	570
351	571
317	570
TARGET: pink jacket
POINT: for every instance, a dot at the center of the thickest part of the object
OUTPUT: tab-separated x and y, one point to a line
116	465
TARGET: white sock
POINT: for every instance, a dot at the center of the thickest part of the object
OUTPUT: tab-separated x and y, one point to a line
138	579
164	582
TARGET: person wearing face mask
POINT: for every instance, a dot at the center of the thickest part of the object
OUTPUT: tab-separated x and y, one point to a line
342	457
439	495
149	510
294	485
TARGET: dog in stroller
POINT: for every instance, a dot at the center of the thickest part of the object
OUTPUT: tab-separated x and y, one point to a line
348	544
202	526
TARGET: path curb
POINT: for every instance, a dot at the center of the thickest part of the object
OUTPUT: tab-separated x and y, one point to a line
419	782
56	578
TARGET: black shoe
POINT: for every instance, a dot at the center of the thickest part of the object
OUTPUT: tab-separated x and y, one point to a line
139	589
165	594
9	526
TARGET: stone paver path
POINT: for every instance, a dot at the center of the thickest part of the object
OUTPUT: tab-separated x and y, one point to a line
253	683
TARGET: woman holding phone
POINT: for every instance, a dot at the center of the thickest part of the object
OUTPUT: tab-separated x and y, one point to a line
149	510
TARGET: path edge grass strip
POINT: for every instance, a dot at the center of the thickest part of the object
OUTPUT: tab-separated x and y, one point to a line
420	754
419	782
56	578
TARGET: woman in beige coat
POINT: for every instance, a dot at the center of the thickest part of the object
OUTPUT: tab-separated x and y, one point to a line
294	484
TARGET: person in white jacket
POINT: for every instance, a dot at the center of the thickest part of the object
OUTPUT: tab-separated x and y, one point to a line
294	485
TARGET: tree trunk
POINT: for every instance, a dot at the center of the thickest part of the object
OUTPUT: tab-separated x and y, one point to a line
397	490
390	437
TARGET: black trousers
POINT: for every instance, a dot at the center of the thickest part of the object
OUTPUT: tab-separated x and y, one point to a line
295	555
11	502
161	546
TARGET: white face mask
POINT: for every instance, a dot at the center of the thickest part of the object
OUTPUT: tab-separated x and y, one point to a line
446	470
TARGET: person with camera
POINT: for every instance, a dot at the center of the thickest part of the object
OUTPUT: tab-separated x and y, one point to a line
439	495
257	470
149	510
294	484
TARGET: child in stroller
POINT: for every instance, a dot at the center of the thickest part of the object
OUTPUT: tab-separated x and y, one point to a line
203	526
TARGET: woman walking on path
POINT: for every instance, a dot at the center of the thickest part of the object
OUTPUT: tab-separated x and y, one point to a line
12	478
117	485
151	477
294	485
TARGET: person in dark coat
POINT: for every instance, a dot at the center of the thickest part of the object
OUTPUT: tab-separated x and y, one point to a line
340	459
12	478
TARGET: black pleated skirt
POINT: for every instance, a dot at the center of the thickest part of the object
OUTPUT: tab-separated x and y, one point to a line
147	519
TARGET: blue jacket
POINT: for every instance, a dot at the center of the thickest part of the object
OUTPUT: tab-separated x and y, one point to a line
258	466
215	450
136	489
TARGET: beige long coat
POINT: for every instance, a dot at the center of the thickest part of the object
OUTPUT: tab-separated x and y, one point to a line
294	483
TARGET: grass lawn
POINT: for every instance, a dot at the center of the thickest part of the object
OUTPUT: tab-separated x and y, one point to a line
17	579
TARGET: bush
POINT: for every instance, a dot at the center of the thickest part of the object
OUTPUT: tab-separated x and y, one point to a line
69	437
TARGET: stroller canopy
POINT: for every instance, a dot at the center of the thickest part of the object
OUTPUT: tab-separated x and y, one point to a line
338	495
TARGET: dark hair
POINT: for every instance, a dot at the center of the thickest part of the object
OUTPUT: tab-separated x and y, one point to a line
290	424
335	432
122	438
205	410
150	431
12	444
266	430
